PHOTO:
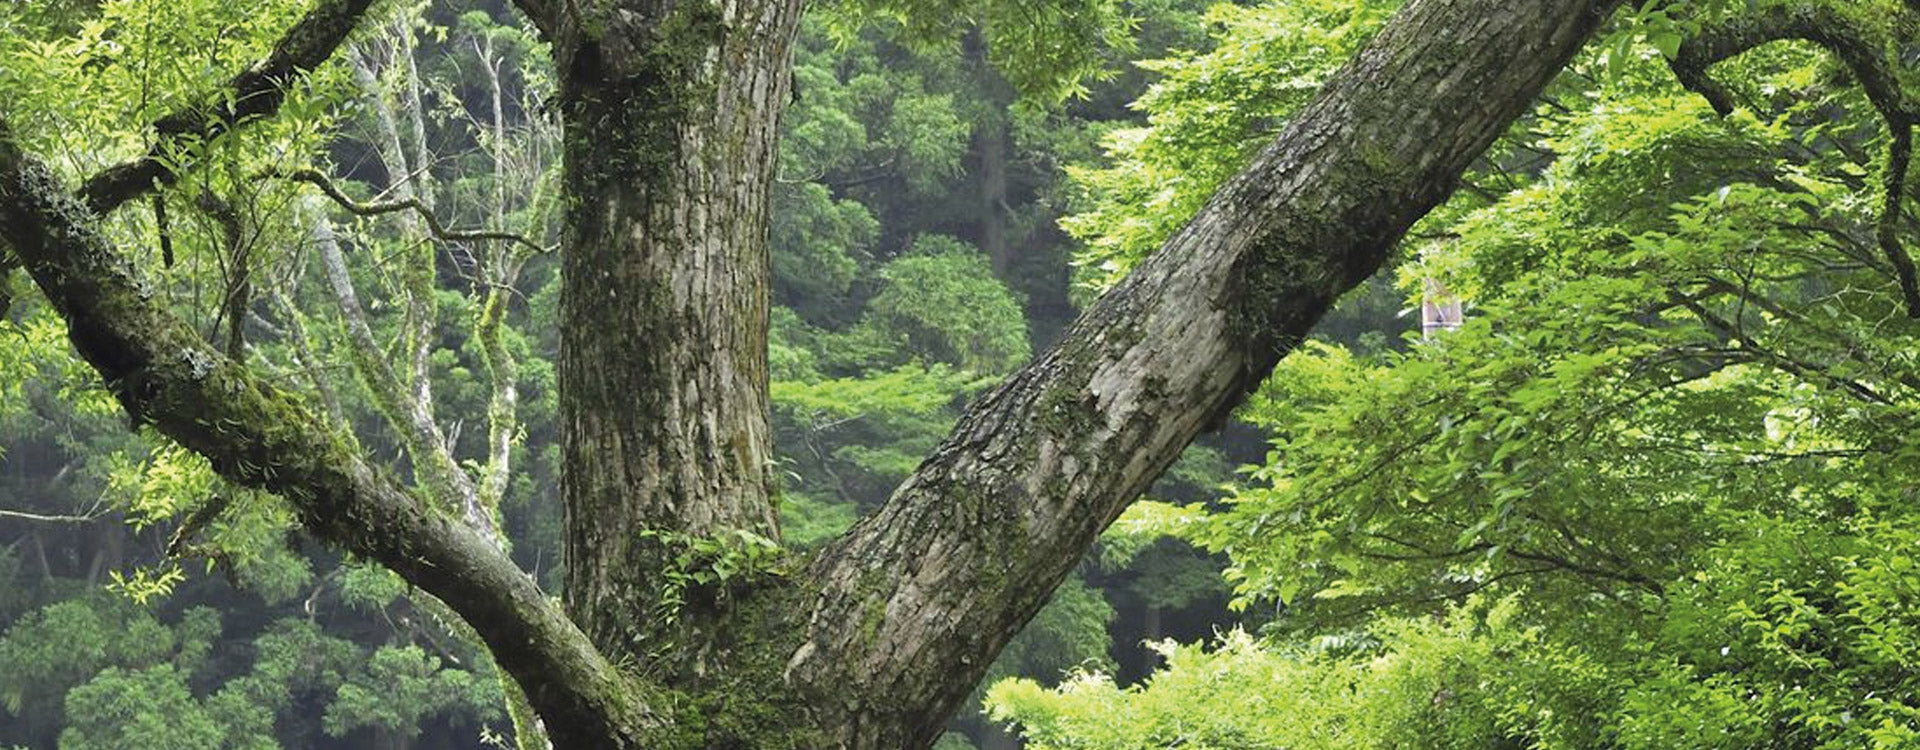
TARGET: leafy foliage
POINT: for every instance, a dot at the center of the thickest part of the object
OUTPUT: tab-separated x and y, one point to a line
1669	444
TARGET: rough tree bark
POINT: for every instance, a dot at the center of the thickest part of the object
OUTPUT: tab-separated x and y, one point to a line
942	576
670	111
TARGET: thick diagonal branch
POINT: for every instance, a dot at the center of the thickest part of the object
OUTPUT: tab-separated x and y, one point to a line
255	92
973	543
255	435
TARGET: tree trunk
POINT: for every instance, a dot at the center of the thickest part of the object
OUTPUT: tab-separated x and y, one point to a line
671	113
991	145
991	134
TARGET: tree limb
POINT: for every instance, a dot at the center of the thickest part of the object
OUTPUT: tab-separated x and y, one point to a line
435	468
53	518
409	203
541	14
255	92
976	539
1867	57
255	435
1817	23
1893	190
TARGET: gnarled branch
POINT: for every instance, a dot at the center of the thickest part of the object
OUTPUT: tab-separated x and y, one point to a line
435	227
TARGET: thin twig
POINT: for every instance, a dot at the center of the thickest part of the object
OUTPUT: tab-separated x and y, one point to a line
379	208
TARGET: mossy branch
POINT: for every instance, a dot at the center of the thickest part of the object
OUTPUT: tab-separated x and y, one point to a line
258	436
255	92
435	469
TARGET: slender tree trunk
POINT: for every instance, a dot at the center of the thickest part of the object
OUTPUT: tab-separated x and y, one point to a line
671	112
991	146
990	140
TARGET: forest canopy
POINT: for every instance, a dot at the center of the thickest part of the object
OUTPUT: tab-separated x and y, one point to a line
431	374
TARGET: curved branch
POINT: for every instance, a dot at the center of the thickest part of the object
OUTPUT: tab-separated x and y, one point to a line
255	435
377	208
1893	189
255	92
1865	56
541	14
1816	23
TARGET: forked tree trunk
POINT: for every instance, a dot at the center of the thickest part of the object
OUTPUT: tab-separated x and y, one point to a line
670	140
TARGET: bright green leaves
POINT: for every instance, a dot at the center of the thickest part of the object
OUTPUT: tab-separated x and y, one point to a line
1206	116
239	529
1793	634
1067	636
709	568
1465	681
138	60
171	480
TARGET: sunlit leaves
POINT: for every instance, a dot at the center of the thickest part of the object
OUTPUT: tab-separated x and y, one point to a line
1206	115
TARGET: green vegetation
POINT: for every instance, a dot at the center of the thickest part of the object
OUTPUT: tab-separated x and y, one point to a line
1655	492
1652	494
144	601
